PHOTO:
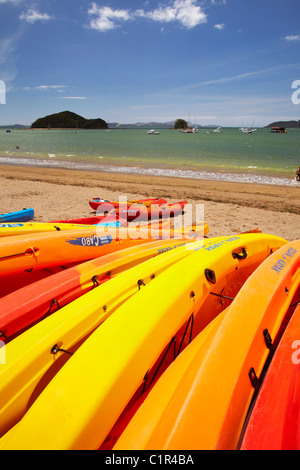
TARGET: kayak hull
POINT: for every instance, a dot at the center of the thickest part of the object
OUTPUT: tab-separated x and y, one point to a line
24	215
274	420
202	401
105	205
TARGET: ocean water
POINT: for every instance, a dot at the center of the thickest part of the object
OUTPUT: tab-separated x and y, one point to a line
260	157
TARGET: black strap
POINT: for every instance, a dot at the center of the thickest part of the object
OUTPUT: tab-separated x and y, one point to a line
56	349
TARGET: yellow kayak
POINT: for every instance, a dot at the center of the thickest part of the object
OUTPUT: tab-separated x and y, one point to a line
31	361
28	228
201	401
83	401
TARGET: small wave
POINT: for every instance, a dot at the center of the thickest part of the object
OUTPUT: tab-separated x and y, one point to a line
168	172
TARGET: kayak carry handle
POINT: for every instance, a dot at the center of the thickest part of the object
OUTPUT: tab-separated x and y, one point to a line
240	256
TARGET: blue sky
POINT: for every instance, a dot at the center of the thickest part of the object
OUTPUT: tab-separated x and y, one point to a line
222	62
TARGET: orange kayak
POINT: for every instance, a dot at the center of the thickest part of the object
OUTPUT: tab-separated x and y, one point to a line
274	420
47	249
27	305
202	399
25	259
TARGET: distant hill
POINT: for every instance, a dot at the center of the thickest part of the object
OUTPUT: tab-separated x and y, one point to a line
149	125
286	124
67	120
143	125
14	126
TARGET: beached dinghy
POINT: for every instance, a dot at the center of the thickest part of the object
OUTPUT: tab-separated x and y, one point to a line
202	400
83	401
37	354
23	215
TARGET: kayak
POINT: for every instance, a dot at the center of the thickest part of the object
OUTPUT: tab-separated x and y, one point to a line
39	299
42	250
202	400
105	220
25	259
39	250
107	205
274	419
23	215
36	355
151	211
27	228
80	405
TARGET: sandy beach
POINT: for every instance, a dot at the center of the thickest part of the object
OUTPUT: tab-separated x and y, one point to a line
228	207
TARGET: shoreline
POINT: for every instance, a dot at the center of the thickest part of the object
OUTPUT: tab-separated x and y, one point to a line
229	207
205	173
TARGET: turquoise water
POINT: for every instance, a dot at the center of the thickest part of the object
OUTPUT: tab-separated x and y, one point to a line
232	155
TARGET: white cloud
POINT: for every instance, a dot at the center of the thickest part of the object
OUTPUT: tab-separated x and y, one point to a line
8	46
218	2
50	87
31	16
293	37
248	75
105	18
219	26
74	97
186	12
13	2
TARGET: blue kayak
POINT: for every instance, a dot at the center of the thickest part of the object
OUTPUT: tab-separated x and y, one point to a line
25	215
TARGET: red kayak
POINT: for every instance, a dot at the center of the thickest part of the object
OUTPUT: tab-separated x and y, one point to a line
274	423
110	220
151	211
95	203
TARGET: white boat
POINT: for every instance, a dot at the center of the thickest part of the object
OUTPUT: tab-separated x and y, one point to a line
153	132
190	130
246	130
218	129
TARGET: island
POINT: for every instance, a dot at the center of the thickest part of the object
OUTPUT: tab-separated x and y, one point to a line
68	120
285	124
